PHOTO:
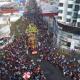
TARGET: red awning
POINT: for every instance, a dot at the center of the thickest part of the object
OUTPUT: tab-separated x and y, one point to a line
49	14
8	11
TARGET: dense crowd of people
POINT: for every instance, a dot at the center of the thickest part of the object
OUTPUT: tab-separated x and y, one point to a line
68	65
17	65
16	62
45	41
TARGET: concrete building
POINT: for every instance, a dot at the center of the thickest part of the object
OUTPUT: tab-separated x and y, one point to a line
5	27
68	37
48	6
69	12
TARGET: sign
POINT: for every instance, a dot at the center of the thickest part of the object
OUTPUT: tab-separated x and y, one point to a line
32	28
34	52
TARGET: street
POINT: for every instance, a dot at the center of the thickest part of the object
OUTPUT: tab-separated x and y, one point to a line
51	71
33	54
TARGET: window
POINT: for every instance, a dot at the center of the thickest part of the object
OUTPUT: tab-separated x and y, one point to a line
78	24
77	1
60	11
68	20
70	5
60	4
75	15
69	36
78	15
74	21
59	17
69	13
68	44
76	8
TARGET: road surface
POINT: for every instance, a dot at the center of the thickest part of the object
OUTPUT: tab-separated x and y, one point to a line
51	72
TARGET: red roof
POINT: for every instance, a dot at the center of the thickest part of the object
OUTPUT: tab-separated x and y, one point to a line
49	14
8	11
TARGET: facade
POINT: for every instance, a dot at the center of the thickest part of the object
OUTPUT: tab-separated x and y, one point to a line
48	7
49	10
67	38
5	1
5	28
4	32
69	12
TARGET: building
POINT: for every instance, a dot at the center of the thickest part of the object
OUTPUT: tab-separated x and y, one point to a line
5	1
69	12
69	37
48	7
5	27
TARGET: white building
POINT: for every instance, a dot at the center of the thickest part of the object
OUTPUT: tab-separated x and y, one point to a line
48	6
69	12
69	37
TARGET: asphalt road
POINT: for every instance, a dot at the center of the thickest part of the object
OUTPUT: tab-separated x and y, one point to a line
51	72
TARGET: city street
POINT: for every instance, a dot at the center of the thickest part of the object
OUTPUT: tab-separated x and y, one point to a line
51	71
33	54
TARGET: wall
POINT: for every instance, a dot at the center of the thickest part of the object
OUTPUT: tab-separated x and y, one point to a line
68	40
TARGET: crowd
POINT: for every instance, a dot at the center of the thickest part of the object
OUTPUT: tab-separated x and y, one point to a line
17	65
68	65
45	42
